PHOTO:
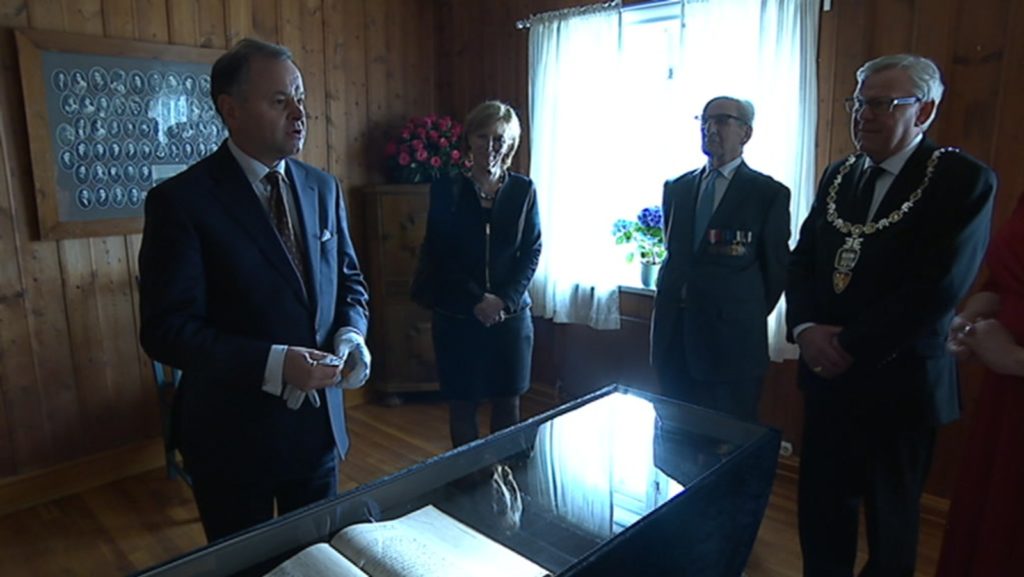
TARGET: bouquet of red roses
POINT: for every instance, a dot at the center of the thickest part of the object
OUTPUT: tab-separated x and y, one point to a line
426	148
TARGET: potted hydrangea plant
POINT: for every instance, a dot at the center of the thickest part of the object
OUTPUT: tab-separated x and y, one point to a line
647	239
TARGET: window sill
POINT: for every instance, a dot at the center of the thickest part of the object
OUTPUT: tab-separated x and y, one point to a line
636	290
635	303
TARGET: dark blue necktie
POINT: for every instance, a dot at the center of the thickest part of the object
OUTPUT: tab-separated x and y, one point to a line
705	208
866	193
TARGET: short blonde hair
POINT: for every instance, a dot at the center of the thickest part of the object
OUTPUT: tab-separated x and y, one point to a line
488	114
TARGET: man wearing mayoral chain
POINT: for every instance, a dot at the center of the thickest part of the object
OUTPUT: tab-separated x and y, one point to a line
891	245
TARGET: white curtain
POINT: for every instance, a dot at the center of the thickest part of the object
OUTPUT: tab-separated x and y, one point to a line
608	130
574	56
789	37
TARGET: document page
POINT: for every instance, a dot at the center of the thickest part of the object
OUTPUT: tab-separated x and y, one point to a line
429	543
319	560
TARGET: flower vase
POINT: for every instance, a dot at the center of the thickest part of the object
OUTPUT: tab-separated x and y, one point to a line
649	274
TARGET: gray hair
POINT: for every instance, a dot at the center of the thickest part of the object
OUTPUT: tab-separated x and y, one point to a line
231	71
746	107
924	74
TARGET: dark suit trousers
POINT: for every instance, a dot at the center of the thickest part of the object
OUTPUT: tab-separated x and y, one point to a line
291	467
738	397
848	457
228	505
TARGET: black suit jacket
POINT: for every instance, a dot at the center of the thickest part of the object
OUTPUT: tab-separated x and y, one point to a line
456	260
729	291
218	289
896	310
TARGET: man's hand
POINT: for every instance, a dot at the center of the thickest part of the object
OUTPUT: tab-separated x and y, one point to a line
355	358
489	310
305	370
820	349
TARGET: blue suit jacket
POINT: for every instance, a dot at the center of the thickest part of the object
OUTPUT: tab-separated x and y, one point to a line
218	289
732	281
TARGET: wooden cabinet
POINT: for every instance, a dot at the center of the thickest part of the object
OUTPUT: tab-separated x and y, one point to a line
403	354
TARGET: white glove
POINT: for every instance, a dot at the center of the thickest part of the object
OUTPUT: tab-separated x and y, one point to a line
294	396
352	343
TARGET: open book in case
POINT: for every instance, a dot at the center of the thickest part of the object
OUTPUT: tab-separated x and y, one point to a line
619	482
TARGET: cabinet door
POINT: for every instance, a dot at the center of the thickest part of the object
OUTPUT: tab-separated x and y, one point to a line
400	331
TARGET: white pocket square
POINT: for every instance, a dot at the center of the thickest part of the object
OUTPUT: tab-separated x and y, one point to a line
326	235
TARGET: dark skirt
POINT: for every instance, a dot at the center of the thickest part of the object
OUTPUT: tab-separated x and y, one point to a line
475	362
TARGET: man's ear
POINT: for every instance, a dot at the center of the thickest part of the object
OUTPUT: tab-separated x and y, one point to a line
747	133
924	112
228	107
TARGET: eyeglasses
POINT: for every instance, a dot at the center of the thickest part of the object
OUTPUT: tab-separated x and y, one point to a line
718	119
855	104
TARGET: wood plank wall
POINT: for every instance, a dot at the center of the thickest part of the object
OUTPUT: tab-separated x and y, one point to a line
73	380
978	44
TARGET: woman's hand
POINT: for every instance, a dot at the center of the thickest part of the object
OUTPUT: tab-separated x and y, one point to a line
995	347
981	306
489	310
956	340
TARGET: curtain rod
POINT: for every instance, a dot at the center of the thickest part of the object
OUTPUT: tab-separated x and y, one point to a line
525	23
826	6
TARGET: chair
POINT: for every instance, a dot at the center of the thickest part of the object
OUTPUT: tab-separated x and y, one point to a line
167	379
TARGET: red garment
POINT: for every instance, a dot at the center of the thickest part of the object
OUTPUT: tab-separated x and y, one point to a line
985	529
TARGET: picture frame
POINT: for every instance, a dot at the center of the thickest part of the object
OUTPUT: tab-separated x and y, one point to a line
107	120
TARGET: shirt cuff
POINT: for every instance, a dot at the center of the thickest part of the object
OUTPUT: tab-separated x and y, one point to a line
273	375
801	328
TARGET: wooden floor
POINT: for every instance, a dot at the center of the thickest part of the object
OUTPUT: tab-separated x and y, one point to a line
137	522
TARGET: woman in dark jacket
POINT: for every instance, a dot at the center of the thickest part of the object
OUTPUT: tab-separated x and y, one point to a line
478	256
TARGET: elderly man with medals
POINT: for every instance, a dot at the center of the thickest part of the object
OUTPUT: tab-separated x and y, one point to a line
893	242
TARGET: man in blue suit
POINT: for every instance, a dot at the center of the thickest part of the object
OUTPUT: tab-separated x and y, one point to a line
250	285
727	233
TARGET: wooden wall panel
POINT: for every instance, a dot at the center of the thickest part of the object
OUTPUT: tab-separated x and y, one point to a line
35	343
73	380
347	92
1008	144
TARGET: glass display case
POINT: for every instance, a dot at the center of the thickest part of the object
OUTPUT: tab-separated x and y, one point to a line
619	482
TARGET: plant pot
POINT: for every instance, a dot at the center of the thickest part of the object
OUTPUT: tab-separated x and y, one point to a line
649	274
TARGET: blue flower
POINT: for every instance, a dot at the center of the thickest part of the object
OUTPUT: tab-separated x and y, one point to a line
645	233
650	217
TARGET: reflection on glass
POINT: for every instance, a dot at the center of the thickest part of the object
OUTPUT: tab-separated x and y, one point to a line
168	109
594	467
